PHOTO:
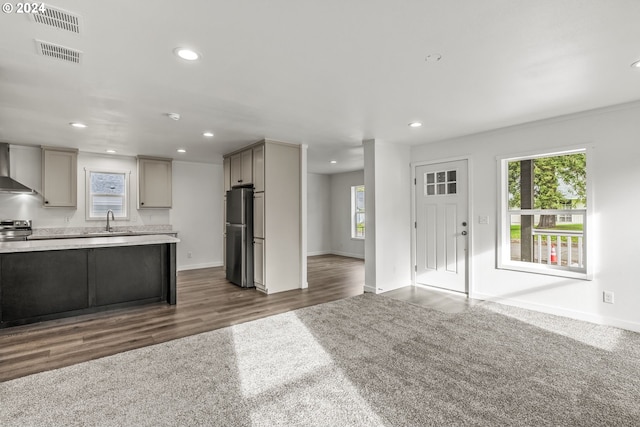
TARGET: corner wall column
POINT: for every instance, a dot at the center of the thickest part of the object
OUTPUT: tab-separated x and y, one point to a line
387	249
303	216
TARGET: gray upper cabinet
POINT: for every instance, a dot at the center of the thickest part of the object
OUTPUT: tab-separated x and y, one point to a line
227	174
154	182
258	168
241	168
59	177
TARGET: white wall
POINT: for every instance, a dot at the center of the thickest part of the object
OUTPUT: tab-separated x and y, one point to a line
613	135
197	202
341	241
388	201
318	214
197	214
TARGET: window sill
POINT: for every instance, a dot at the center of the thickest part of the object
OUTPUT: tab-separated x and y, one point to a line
358	238
525	267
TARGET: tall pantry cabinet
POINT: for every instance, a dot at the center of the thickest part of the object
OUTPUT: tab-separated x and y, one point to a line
275	177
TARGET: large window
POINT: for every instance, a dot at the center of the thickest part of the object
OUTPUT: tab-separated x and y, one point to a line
543	225
107	191
357	212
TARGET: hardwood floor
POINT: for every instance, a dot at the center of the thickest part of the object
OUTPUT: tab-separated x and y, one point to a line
206	301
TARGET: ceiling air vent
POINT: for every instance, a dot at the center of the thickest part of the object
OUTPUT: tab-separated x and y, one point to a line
60	52
58	18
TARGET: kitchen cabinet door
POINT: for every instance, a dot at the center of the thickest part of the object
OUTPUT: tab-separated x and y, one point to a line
236	169
128	273
154	183
34	284
258	168
258	215
59	177
247	167
258	264
241	165
227	174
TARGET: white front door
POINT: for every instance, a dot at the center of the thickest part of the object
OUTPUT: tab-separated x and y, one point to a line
441	225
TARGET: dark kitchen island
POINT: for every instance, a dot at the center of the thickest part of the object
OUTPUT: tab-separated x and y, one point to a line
49	279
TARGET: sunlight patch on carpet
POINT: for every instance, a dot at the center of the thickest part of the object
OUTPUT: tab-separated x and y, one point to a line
598	336
304	382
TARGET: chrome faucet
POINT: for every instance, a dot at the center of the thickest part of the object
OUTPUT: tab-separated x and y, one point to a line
112	217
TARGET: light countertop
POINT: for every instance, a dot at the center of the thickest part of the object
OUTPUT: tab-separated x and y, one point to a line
91	234
84	243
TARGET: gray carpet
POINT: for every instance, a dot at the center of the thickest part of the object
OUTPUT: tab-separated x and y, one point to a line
363	361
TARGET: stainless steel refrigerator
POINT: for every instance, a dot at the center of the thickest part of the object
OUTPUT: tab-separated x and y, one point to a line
239	249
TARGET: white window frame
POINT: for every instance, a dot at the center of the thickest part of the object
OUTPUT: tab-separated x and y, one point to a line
504	260
88	195
354	221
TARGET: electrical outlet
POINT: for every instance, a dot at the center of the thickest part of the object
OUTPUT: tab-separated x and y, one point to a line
607	296
189	254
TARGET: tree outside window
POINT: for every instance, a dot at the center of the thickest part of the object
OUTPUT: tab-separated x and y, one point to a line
357	212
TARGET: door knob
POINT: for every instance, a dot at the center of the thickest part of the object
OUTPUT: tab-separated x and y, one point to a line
464	233
464	224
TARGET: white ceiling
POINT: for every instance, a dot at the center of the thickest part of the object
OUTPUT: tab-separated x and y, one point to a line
327	73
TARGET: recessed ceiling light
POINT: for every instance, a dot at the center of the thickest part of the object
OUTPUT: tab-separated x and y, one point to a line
333	162
174	116
111	151
78	125
433	57
181	150
636	64
208	134
415	124
186	54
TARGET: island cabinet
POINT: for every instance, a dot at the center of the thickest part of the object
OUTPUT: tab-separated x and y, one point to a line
277	210
154	182
41	285
59	177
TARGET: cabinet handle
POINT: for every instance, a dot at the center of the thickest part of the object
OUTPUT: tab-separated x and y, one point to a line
141	203
46	202
239	180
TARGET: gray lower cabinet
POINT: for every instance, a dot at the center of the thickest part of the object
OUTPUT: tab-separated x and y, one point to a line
138	275
40	283
36	286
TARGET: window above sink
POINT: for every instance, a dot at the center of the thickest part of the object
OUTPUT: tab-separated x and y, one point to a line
107	190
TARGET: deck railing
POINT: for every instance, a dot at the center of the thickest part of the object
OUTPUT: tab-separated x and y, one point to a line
554	247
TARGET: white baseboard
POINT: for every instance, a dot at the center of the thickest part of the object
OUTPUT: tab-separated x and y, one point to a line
369	289
347	254
197	266
559	311
350	255
316	253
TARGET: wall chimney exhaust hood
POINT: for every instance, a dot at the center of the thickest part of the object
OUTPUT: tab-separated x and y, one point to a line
8	184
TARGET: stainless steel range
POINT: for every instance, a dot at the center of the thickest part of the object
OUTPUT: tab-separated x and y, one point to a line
12	230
